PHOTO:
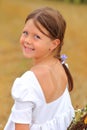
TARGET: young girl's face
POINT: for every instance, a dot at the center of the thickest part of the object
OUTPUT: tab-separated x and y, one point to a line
34	43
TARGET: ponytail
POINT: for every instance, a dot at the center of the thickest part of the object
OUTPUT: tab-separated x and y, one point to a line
69	76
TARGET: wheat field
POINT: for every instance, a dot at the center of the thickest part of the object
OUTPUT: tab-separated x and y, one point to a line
12	62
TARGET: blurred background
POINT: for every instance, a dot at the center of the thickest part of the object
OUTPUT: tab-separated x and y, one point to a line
12	62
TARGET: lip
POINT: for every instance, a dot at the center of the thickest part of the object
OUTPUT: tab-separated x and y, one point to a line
28	48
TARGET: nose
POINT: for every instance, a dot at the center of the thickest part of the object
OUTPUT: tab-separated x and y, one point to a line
28	40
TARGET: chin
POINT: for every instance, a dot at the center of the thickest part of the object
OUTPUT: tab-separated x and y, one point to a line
26	55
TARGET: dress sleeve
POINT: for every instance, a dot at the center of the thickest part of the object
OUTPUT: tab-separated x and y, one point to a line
25	97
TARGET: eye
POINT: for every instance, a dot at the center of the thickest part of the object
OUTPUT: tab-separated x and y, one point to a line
37	37
25	33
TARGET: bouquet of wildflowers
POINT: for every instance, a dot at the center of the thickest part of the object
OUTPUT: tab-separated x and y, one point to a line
79	122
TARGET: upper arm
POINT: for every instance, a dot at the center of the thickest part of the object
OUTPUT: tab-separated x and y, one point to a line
23	93
21	126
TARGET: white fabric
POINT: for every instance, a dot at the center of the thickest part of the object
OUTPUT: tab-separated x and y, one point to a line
30	106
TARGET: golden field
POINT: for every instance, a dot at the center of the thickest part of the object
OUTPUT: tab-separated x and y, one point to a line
12	62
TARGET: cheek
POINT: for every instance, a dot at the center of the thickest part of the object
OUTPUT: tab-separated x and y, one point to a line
21	40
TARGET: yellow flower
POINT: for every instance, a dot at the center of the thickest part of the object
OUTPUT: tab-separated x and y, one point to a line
85	120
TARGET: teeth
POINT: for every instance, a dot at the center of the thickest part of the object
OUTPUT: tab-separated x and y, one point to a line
29	48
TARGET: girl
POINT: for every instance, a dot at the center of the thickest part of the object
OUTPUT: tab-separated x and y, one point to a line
41	94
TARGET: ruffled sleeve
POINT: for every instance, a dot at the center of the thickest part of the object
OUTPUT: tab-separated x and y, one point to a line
26	96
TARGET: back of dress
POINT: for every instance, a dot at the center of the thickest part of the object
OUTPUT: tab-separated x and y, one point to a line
56	115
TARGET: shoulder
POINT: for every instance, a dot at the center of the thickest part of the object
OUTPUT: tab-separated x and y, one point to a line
25	87
41	71
43	74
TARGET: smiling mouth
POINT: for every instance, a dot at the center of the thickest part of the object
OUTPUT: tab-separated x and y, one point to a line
29	48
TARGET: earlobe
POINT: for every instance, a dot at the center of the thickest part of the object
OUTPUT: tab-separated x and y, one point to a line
54	44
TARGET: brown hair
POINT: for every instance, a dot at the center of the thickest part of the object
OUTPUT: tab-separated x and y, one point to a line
55	24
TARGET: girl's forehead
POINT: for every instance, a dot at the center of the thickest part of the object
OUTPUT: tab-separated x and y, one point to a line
30	24
35	26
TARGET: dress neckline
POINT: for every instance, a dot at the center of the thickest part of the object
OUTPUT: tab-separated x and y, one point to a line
48	103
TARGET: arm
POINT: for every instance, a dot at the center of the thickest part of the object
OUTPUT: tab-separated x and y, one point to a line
22	92
21	126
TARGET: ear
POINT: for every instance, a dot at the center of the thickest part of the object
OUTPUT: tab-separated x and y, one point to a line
54	44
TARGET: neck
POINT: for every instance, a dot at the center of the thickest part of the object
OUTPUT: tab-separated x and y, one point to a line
45	61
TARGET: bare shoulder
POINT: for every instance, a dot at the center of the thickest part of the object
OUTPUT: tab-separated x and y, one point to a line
40	71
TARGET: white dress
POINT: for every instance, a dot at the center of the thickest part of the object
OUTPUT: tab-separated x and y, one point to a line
30	106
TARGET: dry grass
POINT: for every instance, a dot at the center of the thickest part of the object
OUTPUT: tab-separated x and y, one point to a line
13	64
